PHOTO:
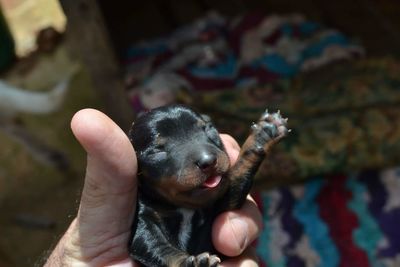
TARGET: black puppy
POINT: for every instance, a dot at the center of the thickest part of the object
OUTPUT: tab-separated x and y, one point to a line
185	181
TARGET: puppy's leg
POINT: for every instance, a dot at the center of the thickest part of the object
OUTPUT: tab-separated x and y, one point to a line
265	133
152	248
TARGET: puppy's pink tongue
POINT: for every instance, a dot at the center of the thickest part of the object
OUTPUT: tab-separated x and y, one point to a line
212	181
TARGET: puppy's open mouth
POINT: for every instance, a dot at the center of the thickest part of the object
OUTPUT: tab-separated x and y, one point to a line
212	181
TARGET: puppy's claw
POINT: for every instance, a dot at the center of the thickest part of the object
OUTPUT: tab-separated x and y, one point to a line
189	262
271	126
214	261
202	260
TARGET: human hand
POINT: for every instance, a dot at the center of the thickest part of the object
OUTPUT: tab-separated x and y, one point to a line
100	233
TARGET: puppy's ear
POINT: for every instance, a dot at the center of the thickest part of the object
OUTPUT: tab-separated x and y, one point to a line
206	118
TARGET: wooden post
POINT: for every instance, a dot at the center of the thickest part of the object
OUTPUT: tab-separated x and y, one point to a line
89	36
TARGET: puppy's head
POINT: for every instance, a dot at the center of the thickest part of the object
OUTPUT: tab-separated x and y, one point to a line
181	157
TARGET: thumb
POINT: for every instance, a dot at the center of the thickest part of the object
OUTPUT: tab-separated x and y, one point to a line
108	198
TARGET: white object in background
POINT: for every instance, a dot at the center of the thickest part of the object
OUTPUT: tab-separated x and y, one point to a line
15	100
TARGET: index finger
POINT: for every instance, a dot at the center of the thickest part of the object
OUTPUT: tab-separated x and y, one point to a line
233	231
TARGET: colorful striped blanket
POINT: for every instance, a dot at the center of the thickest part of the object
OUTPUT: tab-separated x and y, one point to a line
345	220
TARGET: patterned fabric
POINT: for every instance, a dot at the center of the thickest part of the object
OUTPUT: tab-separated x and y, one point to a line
346	220
345	117
216	52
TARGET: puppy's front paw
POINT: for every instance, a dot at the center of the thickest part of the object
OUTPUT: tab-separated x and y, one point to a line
202	260
270	128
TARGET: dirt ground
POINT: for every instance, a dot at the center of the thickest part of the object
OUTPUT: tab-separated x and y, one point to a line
37	201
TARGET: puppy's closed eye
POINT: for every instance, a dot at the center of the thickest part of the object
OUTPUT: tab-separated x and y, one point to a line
159	147
157	152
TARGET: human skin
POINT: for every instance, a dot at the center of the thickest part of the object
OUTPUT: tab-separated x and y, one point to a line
99	234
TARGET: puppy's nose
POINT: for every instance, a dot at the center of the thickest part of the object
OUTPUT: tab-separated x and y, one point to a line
206	161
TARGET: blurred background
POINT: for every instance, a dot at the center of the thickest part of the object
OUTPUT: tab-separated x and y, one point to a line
329	192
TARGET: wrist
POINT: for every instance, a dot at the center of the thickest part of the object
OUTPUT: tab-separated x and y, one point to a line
67	252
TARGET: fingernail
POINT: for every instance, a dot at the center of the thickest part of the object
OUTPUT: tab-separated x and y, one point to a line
240	229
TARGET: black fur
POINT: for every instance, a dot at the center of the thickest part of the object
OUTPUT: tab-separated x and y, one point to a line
184	168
